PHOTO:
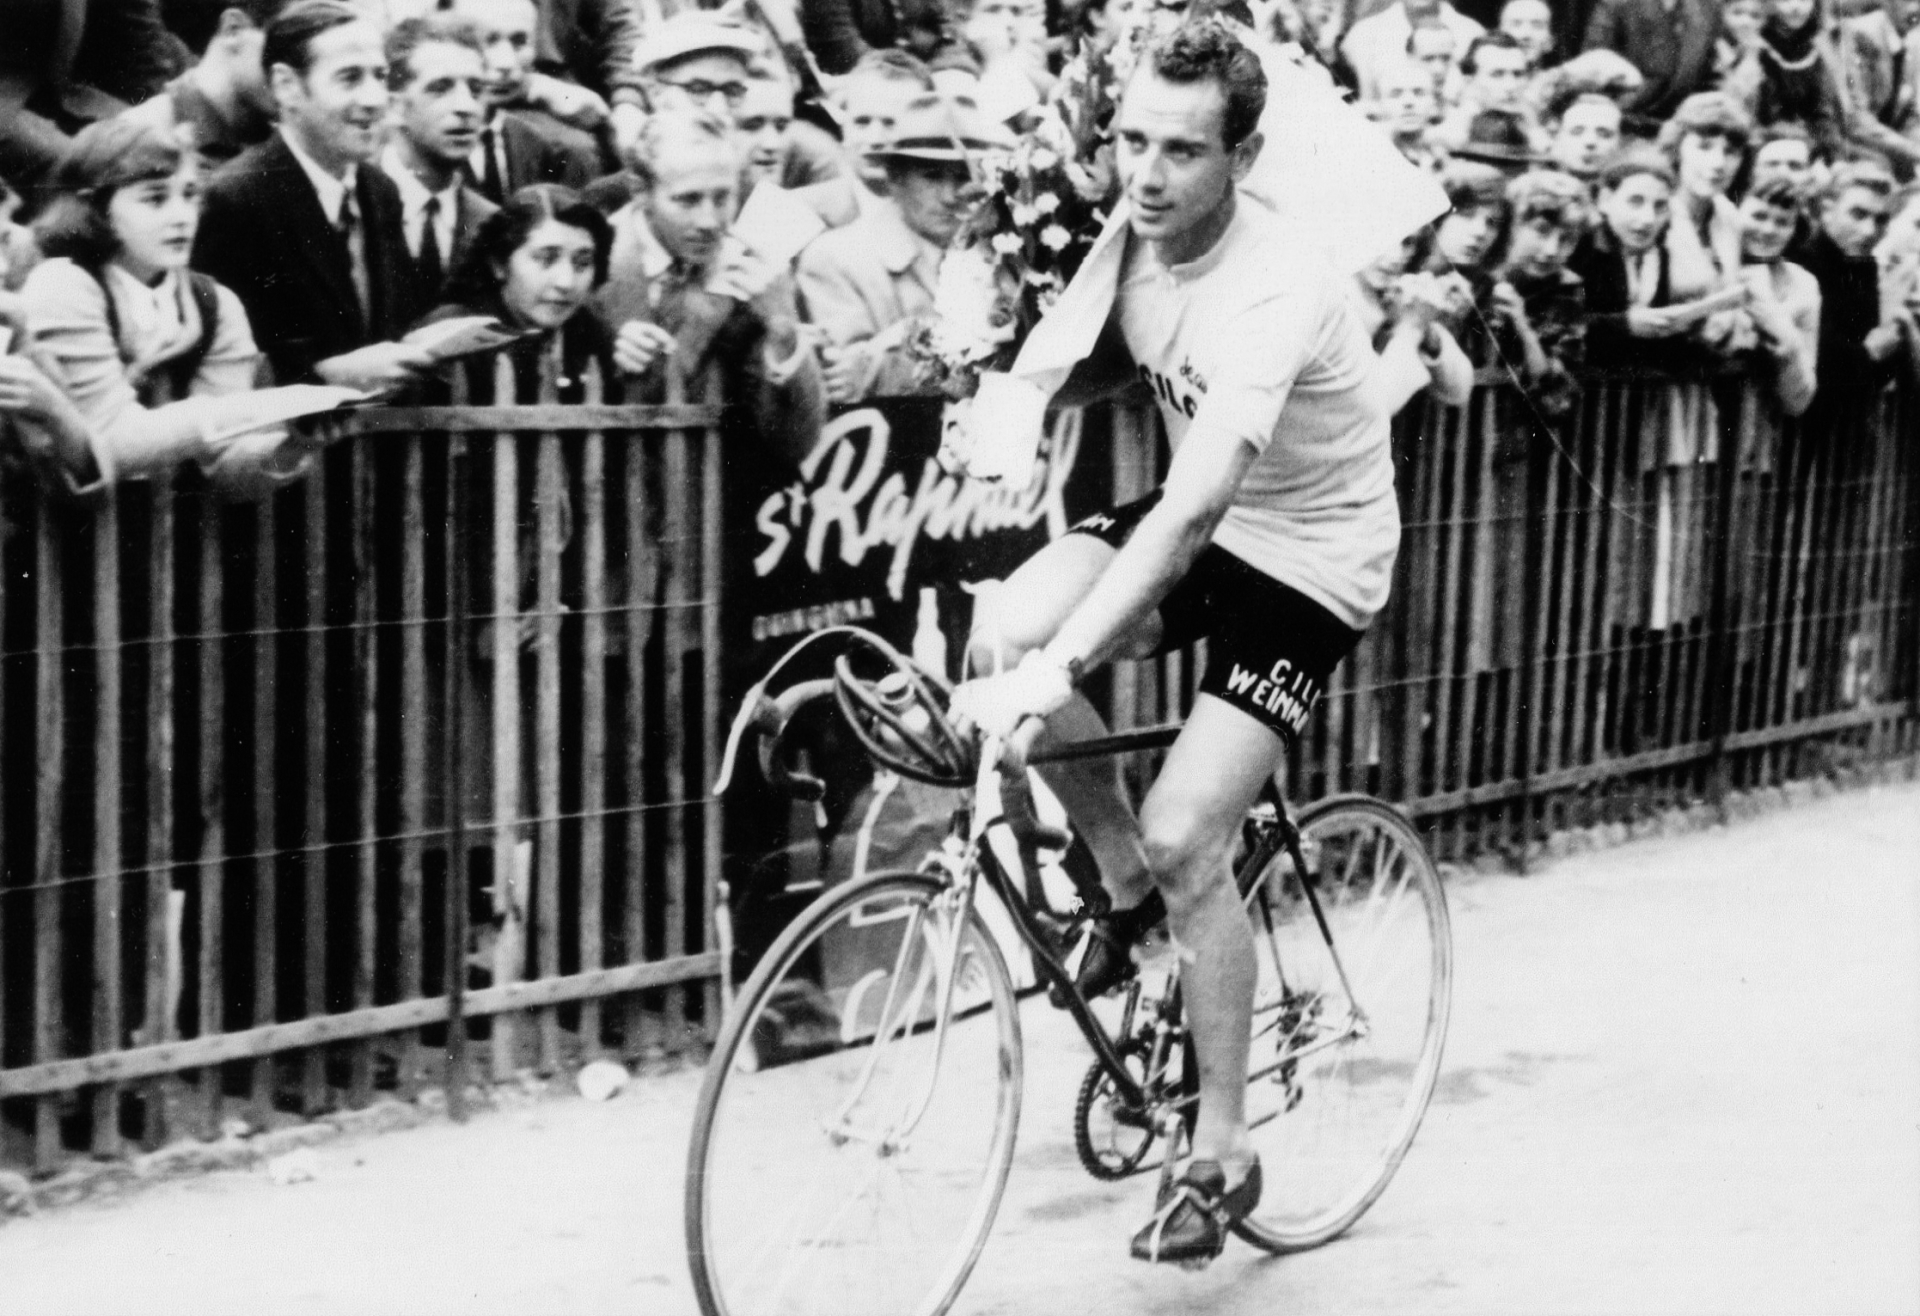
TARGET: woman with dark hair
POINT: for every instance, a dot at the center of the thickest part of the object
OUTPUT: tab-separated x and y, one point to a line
146	348
533	265
1467	244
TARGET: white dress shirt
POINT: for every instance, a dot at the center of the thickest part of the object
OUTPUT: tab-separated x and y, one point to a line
413	205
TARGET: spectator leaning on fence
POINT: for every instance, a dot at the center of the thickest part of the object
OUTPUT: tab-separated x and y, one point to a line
1706	142
534	266
867	286
1403	310
1538	304
223	101
304	227
437	74
1785	302
682	290
1863	324
1623	262
141	344
1467	241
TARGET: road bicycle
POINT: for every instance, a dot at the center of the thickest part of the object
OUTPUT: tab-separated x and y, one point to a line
856	1126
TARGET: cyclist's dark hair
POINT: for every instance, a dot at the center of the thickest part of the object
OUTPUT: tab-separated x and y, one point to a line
1204	50
434	29
290	36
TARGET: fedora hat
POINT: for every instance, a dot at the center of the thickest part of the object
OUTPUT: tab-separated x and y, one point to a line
1497	137
942	128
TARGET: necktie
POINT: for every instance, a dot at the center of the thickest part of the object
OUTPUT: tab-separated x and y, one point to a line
432	273
491	185
353	236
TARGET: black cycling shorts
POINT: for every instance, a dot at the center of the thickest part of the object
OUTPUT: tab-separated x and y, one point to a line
1270	648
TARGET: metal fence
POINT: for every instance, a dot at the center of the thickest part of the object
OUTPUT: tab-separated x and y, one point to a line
232	738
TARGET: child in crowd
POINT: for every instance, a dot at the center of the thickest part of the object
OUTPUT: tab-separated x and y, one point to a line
1407	109
143	346
1785	301
1623	262
1584	130
1540	304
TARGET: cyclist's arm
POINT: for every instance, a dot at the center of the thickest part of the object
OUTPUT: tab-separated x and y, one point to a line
1200	487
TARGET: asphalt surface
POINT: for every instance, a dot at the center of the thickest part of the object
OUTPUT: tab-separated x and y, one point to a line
1683	1077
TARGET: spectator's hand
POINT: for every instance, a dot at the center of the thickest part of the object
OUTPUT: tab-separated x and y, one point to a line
580	106
25	390
842	370
376	368
1510	306
638	345
748	278
1651	322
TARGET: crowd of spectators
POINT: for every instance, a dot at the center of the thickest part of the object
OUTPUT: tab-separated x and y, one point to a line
206	198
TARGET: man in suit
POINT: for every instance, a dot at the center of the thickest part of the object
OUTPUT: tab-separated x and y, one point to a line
867	285
1669	41
67	63
303	227
437	74
520	142
683	292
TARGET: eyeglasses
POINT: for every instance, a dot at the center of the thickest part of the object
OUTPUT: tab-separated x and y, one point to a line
701	92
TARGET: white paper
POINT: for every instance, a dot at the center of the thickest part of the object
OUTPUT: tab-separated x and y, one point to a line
1003	427
462	335
776	225
229	417
1005	92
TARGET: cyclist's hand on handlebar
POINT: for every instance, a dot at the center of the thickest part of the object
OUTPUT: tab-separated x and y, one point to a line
998	704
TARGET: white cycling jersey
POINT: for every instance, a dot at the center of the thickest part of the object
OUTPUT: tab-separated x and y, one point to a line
1258	337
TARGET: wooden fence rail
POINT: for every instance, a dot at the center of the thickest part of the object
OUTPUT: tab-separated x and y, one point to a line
268	771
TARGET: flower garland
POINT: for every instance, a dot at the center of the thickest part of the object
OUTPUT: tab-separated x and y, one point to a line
1041	207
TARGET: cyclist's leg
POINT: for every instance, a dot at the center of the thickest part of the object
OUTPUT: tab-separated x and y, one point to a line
1023	614
1213	774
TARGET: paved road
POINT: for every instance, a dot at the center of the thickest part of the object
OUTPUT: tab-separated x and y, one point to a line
1684	1077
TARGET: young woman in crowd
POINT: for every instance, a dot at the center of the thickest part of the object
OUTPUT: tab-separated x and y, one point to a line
144	347
533	265
1539	304
1705	142
1785	306
1467	242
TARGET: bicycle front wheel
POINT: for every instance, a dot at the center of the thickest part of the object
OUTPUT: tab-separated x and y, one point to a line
1349	1020
857	1122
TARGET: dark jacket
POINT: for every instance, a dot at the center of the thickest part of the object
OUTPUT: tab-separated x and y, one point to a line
264	235
67	63
1602	268
1674	51
1849	311
590	42
537	155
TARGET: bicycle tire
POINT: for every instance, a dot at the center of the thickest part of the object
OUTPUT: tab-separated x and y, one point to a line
1334	1125
798	1199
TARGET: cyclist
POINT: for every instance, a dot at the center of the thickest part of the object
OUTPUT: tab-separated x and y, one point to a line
1273	537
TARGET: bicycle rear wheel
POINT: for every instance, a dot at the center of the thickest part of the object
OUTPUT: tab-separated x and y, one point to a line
1343	1063
852	1138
